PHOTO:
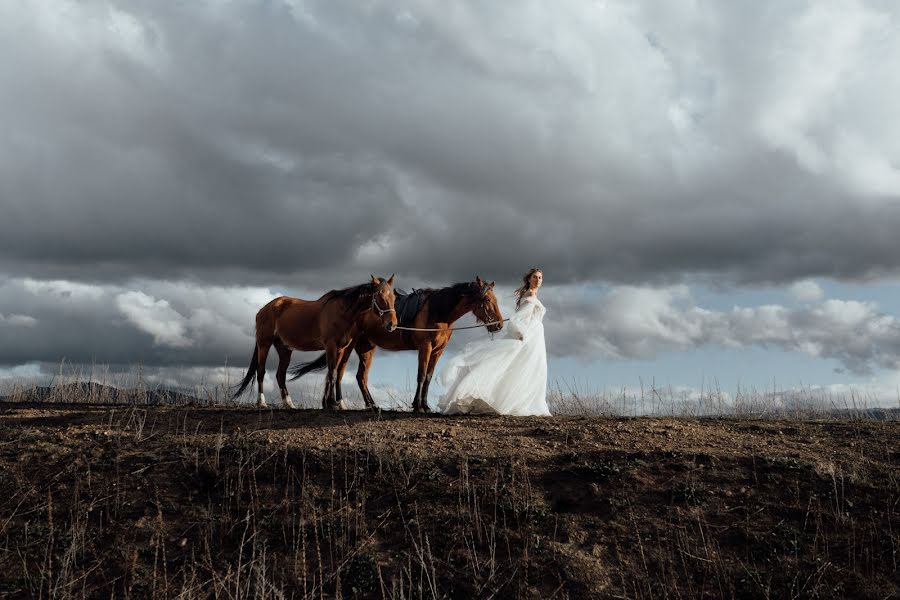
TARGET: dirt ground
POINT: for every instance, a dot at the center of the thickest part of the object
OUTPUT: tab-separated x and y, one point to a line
128	501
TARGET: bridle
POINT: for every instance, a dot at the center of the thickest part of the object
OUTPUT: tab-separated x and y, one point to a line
490	317
381	311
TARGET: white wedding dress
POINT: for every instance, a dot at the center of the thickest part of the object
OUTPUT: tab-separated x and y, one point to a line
507	376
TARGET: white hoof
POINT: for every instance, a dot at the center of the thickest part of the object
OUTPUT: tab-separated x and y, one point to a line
288	403
343	404
261	401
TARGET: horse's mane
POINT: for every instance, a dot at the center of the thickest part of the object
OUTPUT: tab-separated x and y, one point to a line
351	295
442	301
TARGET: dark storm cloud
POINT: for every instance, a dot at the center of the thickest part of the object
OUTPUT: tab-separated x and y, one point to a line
242	142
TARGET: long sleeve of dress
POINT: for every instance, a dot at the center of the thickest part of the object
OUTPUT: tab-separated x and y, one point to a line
520	321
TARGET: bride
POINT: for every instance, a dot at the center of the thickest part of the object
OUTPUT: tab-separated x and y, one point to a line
507	376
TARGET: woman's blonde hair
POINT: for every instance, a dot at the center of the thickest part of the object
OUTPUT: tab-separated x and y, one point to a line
526	285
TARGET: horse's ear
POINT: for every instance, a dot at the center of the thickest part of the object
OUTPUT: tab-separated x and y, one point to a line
491	285
479	281
374	279
391	280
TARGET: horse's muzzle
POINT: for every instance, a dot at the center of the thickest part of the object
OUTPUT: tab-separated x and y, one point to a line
390	326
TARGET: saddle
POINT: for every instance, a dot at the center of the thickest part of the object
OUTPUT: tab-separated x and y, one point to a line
407	305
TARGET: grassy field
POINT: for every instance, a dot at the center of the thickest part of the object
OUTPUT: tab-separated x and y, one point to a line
125	500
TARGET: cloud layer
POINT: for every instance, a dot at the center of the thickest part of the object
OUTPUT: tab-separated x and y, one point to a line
639	323
185	326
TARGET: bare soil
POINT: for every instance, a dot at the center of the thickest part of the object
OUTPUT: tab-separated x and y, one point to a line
128	501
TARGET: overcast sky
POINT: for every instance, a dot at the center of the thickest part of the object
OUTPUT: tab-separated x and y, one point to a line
696	178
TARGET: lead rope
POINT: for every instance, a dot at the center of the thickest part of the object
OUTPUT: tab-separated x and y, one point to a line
452	328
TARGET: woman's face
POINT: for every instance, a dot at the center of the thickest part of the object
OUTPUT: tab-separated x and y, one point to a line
536	279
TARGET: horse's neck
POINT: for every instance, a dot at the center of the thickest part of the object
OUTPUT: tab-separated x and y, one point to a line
359	307
461	308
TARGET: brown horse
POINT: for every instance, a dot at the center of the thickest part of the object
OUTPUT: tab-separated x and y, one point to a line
330	323
437	309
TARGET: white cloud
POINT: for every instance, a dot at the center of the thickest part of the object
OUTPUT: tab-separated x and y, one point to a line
19	320
62	290
155	317
806	290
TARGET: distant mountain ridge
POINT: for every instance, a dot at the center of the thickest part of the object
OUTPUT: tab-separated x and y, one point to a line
93	392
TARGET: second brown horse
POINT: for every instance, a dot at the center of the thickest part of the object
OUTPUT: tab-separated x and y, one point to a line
438	309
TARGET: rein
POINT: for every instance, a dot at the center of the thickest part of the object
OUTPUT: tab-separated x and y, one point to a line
451	328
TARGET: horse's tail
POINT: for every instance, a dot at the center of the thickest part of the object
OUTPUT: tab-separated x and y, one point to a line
308	367
250	376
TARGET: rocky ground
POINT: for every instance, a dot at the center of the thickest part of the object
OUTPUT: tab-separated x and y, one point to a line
129	501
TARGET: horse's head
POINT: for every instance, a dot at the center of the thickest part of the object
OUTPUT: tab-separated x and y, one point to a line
484	304
383	301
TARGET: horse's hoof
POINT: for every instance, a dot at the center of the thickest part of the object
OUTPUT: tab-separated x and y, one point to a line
288	403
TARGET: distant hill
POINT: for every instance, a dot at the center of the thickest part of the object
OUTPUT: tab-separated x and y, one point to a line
92	392
869	414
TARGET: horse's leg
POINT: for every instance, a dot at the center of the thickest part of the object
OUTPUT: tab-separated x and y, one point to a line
432	363
262	352
331	357
365	350
284	360
424	356
342	365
